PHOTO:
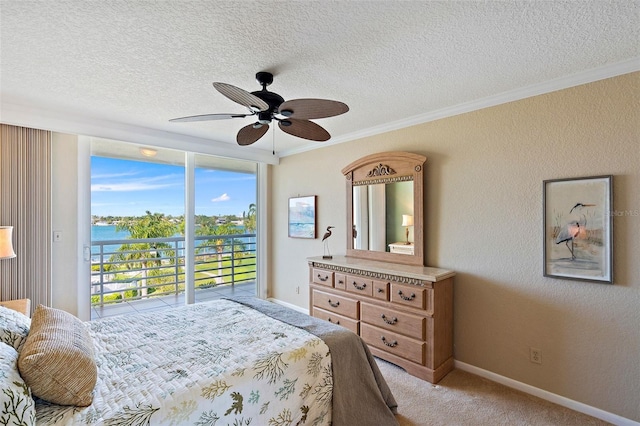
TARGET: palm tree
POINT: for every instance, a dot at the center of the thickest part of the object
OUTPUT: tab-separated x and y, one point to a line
144	255
220	243
250	221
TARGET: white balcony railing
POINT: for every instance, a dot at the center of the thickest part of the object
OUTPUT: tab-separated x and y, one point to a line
133	269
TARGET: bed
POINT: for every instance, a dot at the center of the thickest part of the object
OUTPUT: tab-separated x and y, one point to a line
236	361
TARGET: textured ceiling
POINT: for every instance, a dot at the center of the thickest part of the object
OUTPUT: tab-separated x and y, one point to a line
118	64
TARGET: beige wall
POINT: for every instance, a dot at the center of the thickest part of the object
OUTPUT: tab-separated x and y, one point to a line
70	214
483	209
64	219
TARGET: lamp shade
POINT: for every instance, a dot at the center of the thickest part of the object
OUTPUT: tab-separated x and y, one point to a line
6	247
407	220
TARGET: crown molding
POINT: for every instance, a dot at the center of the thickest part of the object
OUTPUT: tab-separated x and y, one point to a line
577	79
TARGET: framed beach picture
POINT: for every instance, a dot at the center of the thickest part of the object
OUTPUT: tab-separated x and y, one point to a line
302	217
578	234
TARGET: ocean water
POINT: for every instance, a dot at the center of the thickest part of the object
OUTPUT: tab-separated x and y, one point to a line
104	233
108	232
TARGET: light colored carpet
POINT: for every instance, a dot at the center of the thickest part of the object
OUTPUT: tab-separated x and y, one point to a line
463	398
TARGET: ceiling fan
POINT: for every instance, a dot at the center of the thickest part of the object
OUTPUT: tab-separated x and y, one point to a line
293	116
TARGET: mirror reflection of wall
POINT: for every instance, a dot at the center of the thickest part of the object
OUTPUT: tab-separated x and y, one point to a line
377	224
369	217
377	214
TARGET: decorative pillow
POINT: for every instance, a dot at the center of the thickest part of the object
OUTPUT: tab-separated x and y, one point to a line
57	359
14	327
16	404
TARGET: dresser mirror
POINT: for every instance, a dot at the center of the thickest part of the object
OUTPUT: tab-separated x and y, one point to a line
385	207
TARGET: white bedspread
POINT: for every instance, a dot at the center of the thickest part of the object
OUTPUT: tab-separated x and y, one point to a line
216	363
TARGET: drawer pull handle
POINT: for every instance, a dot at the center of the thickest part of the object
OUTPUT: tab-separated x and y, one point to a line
335	305
390	344
323	279
355	284
337	322
340	282
380	290
389	321
403	297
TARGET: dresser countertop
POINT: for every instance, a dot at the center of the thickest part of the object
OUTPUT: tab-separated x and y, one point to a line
418	272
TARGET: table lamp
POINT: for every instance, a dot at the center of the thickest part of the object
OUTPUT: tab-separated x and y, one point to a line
6	247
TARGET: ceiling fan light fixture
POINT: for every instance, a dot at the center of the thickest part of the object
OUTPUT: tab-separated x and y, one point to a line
285	123
264	117
286	112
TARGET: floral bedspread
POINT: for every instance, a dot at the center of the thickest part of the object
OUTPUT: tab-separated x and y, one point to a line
216	363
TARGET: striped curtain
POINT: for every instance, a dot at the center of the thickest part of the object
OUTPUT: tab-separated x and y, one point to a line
25	204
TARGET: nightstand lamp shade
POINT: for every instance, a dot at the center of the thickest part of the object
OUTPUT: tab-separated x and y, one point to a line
6	247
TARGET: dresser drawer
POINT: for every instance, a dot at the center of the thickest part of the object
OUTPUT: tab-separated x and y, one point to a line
399	322
337	304
381	290
340	281
359	285
322	277
394	343
334	318
408	295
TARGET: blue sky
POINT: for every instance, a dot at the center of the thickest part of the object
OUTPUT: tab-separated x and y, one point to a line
130	188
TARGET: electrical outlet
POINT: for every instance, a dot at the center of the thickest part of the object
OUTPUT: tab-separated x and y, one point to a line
535	355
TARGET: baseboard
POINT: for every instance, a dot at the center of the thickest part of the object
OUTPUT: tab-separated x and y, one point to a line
548	396
288	305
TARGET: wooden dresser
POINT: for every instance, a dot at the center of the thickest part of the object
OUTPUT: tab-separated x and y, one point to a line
404	313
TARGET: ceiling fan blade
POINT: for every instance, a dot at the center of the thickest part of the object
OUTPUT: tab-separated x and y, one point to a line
242	97
304	109
249	134
304	129
207	117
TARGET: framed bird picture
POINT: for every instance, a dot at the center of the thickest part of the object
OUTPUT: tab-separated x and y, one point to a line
578	234
302	217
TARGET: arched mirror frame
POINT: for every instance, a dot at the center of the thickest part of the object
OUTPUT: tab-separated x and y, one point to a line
388	167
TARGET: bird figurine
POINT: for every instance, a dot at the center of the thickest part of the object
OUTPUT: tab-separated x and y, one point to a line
325	239
573	228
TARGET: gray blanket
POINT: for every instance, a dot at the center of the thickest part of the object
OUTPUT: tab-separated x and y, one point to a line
361	396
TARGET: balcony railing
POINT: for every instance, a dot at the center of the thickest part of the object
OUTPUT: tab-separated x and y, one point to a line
132	269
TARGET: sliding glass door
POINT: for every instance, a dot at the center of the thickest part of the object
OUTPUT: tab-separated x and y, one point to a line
224	227
169	227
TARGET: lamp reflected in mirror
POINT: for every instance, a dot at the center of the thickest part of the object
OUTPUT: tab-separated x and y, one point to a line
407	221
